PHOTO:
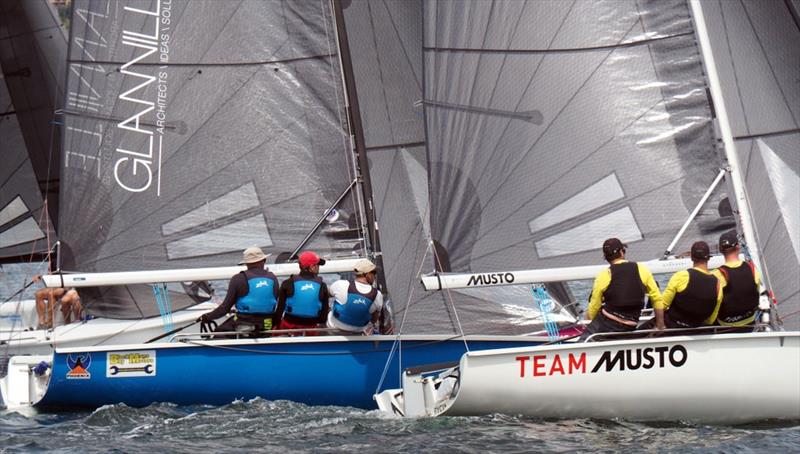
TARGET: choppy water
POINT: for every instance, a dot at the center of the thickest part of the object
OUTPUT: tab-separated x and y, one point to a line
276	426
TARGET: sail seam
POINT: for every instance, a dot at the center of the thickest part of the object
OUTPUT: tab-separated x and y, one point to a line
768	134
643	42
211	64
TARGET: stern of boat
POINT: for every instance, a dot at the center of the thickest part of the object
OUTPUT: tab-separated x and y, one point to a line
27	380
427	390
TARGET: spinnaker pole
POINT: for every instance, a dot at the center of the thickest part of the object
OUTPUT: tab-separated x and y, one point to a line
357	136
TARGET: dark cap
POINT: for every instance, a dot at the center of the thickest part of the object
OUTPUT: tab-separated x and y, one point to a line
728	240
700	252
612	246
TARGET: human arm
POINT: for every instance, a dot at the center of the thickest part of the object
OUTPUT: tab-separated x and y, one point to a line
324	299
651	288
601	283
237	287
286	290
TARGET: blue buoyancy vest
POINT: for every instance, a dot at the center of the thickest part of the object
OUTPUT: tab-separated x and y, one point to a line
356	311
260	298
305	302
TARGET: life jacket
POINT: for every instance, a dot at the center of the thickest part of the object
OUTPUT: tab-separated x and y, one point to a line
356	311
697	301
305	302
624	296
740	294
260	298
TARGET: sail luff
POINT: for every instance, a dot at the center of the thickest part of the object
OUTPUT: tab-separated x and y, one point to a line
357	132
737	182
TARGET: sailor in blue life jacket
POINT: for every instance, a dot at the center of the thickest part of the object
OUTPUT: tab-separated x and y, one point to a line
618	294
741	285
303	298
357	304
693	296
254	293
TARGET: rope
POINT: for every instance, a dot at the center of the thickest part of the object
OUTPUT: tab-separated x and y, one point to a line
546	305
164	305
452	303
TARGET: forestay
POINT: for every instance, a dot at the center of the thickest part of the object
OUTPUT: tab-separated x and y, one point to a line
197	128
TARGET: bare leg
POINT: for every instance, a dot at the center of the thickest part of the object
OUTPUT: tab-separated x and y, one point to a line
71	306
42	301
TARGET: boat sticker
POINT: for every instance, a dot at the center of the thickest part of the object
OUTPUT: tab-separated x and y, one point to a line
139	363
79	366
621	360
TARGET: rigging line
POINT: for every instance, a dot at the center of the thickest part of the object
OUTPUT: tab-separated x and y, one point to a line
768	134
573	167
525	92
8	113
449	298
400	42
552	122
769	63
793	13
643	42
205	65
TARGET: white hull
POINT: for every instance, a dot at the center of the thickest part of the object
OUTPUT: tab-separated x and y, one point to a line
723	378
16	340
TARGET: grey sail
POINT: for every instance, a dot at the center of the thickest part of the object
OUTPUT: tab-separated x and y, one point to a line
756	48
554	125
32	52
386	43
194	129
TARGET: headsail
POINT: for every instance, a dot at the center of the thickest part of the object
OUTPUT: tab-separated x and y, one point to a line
32	62
622	143
757	54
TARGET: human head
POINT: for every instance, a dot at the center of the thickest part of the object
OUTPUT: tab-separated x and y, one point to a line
366	269
700	252
613	249
253	257
310	261
729	243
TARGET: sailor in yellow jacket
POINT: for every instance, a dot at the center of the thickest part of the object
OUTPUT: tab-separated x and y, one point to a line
618	294
741	284
692	297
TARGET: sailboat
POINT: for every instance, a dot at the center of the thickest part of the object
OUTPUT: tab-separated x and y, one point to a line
190	134
32	96
745	55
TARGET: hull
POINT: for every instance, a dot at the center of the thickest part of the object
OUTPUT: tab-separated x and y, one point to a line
727	378
326	370
99	331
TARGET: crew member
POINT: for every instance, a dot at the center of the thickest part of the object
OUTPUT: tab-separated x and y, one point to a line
303	298
46	299
693	296
618	294
254	292
357	304
740	285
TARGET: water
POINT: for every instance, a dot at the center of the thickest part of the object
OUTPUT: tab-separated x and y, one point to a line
275	426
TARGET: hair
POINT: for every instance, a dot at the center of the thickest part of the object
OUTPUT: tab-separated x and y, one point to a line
614	256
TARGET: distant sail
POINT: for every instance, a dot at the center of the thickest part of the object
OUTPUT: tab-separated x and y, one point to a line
757	50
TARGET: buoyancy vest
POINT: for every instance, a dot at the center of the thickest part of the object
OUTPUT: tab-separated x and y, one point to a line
697	301
305	302
740	294
624	296
355	312
260	298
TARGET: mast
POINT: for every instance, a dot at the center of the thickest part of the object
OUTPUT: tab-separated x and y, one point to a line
740	193
357	138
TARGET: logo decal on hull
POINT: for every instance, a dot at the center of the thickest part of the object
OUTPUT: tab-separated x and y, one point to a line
140	363
620	360
79	366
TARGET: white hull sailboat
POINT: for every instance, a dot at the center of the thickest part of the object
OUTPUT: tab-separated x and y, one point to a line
718	378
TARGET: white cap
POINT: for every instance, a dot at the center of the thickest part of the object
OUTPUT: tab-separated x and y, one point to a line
253	254
364	266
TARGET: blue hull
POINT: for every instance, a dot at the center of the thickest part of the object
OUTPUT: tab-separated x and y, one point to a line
335	372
